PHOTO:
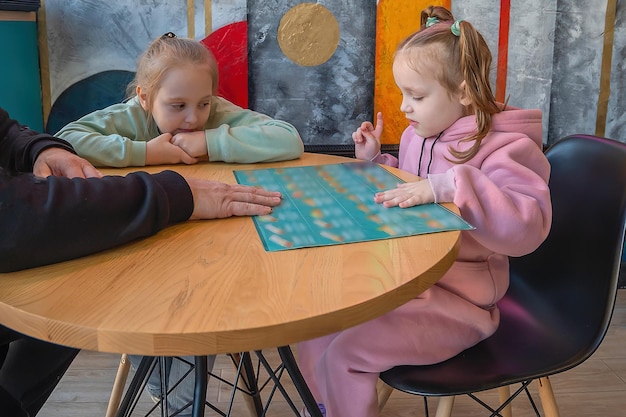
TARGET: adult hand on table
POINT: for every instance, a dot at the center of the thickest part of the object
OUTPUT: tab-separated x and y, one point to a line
62	163
212	199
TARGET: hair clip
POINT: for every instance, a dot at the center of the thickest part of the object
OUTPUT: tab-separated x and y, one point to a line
431	21
456	28
168	35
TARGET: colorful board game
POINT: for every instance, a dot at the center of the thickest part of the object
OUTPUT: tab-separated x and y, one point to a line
334	204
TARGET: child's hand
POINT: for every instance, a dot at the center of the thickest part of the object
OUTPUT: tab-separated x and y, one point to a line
367	139
161	150
193	143
407	195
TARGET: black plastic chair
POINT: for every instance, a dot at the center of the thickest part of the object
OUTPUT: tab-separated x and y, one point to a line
561	298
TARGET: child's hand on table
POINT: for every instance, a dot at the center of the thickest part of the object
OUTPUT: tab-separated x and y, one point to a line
407	195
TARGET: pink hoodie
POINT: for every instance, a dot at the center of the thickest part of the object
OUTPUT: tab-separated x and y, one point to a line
502	191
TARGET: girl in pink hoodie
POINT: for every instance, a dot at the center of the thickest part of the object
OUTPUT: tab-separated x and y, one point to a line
468	149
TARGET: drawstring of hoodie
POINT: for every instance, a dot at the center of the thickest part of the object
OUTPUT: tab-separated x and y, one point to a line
419	165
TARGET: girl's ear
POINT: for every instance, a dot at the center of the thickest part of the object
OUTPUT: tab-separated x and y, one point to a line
463	97
143	98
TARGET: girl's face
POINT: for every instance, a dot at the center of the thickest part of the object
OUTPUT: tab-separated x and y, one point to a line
183	102
428	106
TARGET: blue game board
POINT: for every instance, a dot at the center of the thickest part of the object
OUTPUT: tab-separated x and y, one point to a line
334	204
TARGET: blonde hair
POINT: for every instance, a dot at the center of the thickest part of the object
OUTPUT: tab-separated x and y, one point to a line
164	54
463	57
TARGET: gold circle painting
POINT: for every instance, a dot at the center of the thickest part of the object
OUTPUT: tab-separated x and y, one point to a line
308	34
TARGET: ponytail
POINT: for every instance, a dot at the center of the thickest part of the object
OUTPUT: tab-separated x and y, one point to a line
475	61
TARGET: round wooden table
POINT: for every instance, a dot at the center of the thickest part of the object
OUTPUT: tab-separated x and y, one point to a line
209	287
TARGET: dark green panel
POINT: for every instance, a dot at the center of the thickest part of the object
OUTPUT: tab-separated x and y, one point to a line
20	83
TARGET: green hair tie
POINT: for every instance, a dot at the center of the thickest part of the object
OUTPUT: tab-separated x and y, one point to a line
456	28
431	21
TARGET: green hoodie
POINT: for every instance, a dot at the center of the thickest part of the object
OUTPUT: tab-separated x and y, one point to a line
117	135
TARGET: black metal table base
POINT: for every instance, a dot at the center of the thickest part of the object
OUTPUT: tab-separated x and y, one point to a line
245	371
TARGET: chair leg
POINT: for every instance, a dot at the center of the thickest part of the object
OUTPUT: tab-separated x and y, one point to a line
548	402
118	386
505	393
444	407
384	391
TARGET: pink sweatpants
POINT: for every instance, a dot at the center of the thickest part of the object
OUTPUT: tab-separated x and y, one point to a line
342	369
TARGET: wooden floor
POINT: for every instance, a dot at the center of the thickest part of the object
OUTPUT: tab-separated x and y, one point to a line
595	388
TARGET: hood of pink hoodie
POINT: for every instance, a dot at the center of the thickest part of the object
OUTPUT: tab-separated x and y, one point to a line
507	126
511	120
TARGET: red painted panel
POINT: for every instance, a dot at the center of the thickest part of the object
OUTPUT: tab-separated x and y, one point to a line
503	50
229	44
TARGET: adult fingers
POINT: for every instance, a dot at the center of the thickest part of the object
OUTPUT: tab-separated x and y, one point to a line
42	170
249	209
255	190
91	172
270	200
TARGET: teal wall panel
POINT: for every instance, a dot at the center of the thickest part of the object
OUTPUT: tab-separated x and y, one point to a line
20	82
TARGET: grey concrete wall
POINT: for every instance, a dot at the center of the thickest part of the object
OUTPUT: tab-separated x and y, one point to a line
555	60
325	102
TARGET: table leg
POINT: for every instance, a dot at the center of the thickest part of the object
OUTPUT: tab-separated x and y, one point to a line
199	395
146	366
250	381
291	366
163	384
201	382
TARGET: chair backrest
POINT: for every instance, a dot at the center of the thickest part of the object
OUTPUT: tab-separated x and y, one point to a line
572	277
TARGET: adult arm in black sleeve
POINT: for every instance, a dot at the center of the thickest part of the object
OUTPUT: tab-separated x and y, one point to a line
20	146
48	220
54	219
